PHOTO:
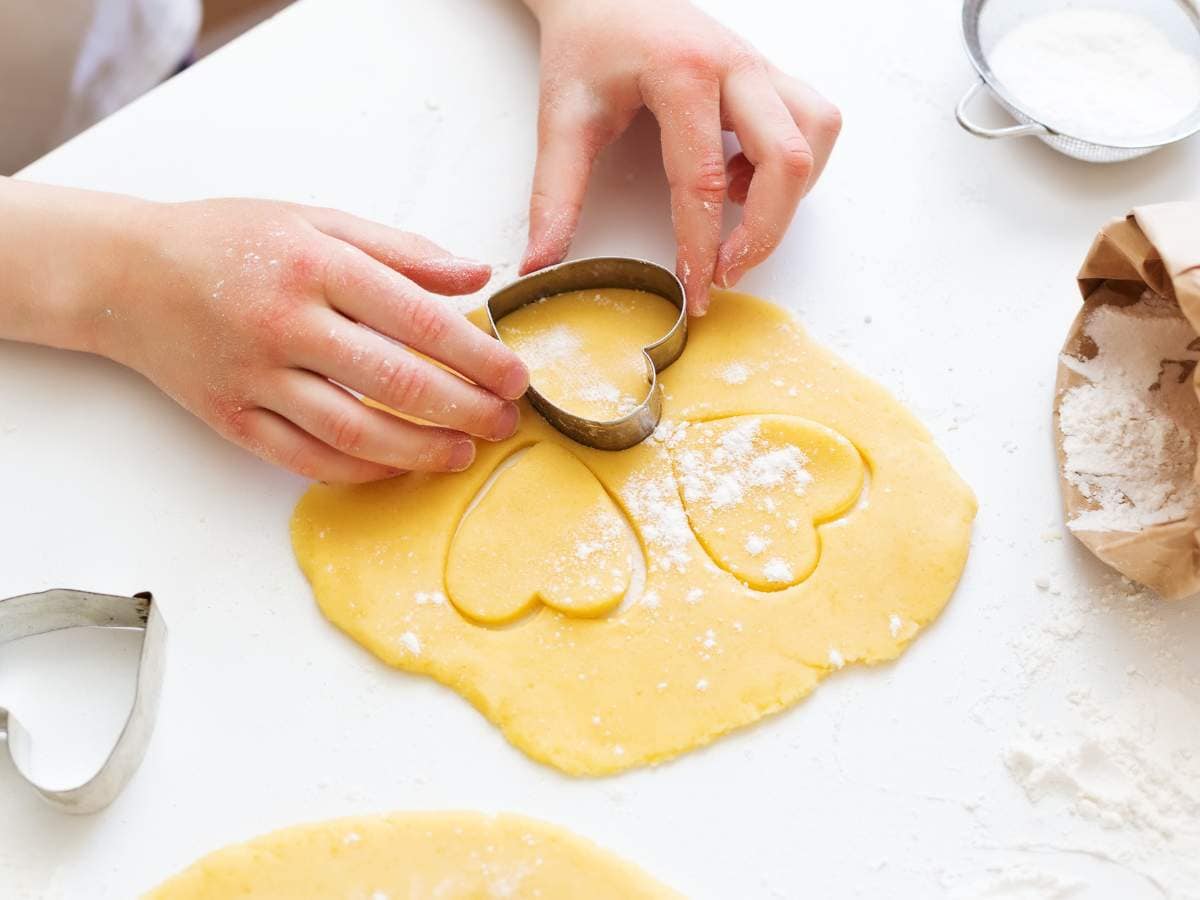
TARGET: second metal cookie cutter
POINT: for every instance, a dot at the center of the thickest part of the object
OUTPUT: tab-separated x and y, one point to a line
589	274
32	614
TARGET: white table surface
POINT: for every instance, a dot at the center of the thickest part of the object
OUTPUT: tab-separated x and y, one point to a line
941	264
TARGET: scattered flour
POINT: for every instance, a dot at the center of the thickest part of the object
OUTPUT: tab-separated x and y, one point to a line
653	499
411	643
1127	431
756	544
1097	73
735	373
1111	766
721	475
546	348
1020	882
777	570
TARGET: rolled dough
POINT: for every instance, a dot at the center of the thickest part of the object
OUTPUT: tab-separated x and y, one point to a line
791	518
413	856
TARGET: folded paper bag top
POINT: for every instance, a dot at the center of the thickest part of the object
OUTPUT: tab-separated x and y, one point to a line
1127	401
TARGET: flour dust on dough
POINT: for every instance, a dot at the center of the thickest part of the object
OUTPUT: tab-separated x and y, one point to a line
791	518
555	335
414	856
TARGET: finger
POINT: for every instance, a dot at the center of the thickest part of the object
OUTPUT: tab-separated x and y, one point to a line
688	111
341	420
432	267
738	171
388	373
818	119
568	141
379	298
782	162
273	438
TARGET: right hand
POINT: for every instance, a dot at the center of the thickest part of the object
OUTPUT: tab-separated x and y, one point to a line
262	317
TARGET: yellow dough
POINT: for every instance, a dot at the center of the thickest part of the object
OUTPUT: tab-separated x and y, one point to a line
790	518
554	335
754	487
414	856
577	561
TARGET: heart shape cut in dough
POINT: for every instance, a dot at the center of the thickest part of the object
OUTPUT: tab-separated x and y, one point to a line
545	532
586	349
755	488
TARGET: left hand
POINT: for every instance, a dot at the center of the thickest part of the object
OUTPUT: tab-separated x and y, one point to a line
602	60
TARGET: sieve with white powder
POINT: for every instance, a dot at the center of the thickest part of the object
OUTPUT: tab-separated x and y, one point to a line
1128	429
1098	74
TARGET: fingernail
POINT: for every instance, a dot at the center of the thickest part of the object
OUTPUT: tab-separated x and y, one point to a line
506	424
461	456
513	384
728	268
730	277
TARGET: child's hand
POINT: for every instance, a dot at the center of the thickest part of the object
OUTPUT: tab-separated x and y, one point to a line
602	60
252	313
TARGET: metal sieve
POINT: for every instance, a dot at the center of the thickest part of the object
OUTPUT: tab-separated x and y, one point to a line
984	22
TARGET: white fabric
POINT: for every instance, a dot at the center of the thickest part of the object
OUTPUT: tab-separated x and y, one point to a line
66	64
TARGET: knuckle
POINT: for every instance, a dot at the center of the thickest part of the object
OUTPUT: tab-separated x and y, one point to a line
583	122
742	58
829	120
237	421
303	268
302	460
345	430
795	157
340	272
274	316
692	59
707	180
404	385
428	324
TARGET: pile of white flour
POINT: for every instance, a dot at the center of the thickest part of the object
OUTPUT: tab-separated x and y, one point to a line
1097	73
1128	431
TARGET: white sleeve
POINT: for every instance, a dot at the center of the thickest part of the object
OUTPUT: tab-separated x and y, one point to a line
63	70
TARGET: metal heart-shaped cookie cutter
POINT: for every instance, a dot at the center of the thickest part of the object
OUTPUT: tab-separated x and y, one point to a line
32	614
588	274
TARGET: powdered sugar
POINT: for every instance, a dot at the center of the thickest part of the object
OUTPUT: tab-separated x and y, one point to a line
1097	73
777	570
720	476
653	501
547	347
735	373
411	643
1127	431
756	544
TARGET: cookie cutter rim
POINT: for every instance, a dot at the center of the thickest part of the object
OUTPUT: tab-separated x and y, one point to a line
56	610
587	274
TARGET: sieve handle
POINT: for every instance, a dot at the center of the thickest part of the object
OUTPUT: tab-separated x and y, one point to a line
960	113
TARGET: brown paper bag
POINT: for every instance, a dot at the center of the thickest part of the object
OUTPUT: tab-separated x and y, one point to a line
1155	247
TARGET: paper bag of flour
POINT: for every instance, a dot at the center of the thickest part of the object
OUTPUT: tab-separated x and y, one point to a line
1127	400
